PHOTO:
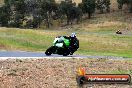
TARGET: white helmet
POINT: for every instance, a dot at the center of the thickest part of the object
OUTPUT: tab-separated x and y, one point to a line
73	35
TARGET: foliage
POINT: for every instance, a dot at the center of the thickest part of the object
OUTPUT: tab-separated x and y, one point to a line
127	2
103	5
70	10
31	13
88	7
4	15
48	8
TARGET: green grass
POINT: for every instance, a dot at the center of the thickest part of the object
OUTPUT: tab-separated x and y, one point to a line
91	42
106	43
120	71
30	40
23	39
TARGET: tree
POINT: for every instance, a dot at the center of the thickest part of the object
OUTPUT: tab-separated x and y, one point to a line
70	10
121	3
4	15
88	7
48	7
20	11
127	2
130	6
16	10
103	5
34	12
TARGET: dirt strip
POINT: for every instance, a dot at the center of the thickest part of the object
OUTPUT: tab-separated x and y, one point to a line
58	73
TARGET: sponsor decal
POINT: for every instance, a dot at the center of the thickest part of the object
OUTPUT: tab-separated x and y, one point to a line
83	78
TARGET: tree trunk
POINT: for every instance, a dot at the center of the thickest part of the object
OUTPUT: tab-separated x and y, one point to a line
89	15
48	20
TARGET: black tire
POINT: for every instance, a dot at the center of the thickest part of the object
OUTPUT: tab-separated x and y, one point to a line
66	53
49	51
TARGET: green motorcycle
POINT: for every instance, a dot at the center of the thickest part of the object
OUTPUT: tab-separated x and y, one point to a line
60	46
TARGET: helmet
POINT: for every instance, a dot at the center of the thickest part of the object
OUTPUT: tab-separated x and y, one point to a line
73	35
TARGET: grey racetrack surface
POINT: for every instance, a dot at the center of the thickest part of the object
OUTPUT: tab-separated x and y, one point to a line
21	54
24	54
33	54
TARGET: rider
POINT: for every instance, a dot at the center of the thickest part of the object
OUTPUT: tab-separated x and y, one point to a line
74	43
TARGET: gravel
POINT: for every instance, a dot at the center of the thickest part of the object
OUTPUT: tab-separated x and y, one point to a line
58	73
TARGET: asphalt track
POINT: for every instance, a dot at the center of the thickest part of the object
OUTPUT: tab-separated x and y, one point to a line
25	55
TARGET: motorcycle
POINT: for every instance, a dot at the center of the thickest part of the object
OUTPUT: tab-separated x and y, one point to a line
61	46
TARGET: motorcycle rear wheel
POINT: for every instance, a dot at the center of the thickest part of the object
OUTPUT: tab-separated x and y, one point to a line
66	53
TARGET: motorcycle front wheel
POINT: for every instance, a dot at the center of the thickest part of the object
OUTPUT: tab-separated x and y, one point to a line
49	51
